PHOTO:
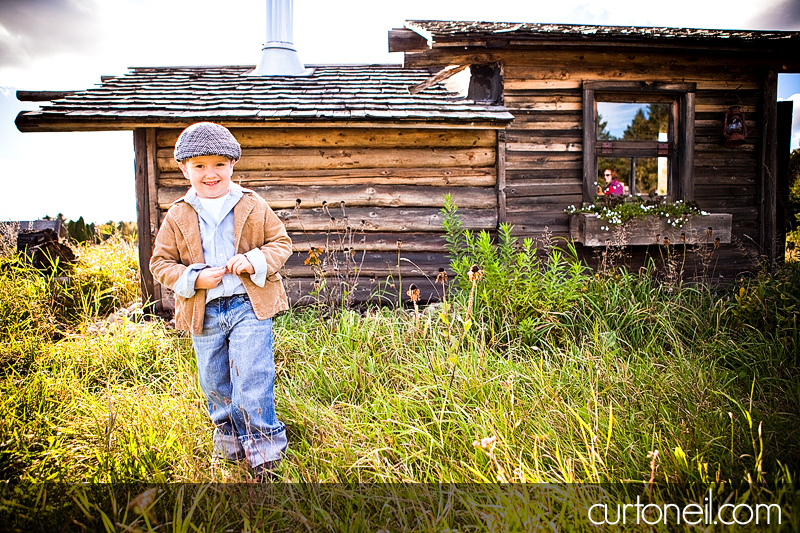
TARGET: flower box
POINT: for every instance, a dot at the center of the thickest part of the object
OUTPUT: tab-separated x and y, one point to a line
591	230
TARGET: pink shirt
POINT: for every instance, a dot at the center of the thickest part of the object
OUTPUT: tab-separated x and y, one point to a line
615	188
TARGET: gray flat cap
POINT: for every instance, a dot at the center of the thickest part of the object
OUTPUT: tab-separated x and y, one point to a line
206	138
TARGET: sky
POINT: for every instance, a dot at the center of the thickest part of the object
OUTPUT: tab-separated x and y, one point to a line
68	44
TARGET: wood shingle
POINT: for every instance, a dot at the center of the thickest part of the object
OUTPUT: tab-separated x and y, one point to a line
347	92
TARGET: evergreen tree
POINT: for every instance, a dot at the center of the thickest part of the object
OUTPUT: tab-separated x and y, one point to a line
647	126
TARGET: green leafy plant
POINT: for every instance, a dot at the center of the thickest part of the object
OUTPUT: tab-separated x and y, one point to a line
523	288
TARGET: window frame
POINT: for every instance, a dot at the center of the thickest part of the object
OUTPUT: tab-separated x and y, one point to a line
679	148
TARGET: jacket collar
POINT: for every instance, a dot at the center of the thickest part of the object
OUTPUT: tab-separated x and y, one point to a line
191	229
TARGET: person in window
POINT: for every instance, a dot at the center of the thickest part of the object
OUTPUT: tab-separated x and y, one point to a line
613	187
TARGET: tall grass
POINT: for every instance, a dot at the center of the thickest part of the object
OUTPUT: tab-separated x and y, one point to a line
545	372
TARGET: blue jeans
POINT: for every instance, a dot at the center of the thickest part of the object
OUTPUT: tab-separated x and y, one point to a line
236	368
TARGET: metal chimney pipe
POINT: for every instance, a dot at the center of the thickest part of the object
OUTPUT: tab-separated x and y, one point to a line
279	56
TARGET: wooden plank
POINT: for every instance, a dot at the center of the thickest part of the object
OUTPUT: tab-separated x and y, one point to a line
556	202
519	63
375	242
439	177
715	108
768	170
501	178
545	174
545	146
312	159
383	219
547	126
716	189
557	53
371	264
717	147
439	77
553	188
348	138
527	115
542	164
545	139
381	289
544	106
402	40
71	123
42	96
575	83
721	203
286	196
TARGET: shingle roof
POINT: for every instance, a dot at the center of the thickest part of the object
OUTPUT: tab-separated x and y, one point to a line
443	30
228	93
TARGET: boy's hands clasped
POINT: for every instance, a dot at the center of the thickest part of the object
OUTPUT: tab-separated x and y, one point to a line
208	278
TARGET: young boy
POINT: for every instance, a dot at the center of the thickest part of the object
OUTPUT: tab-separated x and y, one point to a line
219	249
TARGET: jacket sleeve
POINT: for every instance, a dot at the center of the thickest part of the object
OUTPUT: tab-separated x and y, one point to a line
277	247
165	263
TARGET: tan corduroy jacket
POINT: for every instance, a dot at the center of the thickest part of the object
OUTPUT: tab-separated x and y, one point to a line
178	245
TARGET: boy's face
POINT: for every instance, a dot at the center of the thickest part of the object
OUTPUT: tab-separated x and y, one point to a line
210	175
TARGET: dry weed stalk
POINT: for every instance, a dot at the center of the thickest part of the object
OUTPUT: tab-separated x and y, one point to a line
475	275
413	294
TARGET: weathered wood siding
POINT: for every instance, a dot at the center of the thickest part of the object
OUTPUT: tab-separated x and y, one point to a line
378	191
544	143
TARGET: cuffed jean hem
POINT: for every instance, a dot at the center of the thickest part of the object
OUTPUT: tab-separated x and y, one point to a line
257	449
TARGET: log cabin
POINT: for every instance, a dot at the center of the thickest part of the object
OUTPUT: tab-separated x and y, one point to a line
357	159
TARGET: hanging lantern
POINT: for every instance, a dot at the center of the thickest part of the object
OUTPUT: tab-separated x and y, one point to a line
734	128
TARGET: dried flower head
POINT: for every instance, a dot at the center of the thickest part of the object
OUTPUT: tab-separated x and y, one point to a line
709	231
475	274
716	243
413	293
313	256
683	236
441	277
666	241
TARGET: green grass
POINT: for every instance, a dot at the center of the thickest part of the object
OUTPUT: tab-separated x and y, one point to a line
527	389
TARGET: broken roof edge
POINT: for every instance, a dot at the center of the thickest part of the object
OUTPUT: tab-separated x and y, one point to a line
533	31
244	67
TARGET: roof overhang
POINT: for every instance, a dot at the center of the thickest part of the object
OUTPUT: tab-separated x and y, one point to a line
419	39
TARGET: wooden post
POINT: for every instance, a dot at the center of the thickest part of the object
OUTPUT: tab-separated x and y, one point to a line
768	170
686	156
784	152
143	213
152	207
501	177
589	136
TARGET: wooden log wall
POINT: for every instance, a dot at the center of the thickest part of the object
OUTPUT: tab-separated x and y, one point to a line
371	197
544	143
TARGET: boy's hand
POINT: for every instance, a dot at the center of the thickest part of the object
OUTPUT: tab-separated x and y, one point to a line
238	264
208	278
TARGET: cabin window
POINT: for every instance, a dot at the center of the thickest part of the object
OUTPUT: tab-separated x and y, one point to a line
642	133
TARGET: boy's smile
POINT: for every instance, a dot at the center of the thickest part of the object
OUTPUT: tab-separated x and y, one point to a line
210	175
